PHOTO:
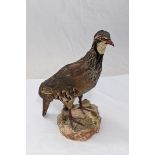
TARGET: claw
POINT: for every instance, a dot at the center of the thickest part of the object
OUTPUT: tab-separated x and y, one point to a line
74	120
86	109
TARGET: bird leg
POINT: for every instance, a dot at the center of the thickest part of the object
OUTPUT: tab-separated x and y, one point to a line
82	107
72	119
80	102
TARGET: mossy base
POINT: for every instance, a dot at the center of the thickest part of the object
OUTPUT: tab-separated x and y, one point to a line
90	119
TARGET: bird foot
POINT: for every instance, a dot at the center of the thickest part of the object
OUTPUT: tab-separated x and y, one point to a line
72	119
86	109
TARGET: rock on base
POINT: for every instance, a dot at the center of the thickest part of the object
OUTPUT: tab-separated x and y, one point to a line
90	119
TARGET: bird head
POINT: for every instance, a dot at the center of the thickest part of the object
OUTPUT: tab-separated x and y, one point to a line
101	40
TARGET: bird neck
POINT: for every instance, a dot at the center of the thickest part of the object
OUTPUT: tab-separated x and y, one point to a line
93	58
99	46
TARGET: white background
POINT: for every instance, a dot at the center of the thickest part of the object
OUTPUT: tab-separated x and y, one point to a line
60	32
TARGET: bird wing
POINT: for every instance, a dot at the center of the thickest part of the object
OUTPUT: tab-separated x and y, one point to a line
67	77
71	70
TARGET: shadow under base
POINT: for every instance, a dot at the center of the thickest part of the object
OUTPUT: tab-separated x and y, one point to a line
90	120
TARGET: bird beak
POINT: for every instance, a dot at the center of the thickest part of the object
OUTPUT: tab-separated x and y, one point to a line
109	42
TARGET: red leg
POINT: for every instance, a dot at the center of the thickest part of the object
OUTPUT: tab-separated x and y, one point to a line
82	107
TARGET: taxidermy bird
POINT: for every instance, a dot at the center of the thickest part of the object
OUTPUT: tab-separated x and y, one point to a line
76	79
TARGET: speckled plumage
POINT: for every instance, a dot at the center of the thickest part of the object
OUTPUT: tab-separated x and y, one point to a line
75	79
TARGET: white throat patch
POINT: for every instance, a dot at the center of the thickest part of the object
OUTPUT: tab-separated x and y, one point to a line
101	46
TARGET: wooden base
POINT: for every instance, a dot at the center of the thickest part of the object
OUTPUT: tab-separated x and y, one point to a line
90	120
